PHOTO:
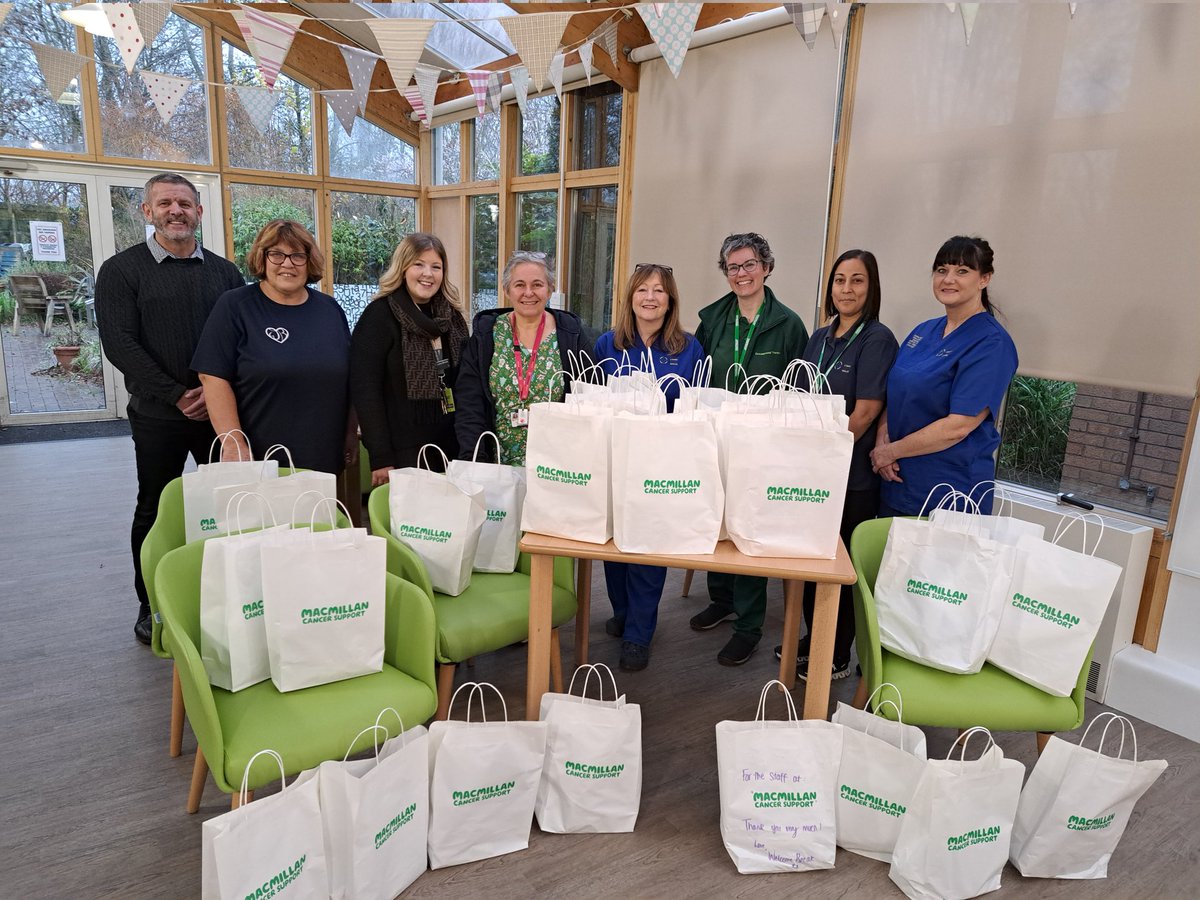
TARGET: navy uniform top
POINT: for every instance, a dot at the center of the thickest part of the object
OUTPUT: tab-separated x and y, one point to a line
934	377
683	363
856	366
290	371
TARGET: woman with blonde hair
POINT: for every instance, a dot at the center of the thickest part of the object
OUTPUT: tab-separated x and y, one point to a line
405	355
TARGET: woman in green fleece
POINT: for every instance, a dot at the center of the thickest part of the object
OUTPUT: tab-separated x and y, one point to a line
750	331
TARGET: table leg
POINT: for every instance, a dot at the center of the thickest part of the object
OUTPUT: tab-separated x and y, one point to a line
793	593
820	651
537	676
583	614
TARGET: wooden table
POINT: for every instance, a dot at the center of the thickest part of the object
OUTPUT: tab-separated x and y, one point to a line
828	574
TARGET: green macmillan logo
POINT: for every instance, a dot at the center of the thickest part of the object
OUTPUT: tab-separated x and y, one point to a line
463	798
582	770
784	799
936	592
420	533
1082	823
974	836
319	615
252	610
1042	611
792	494
497	515
208	524
395	825
564	476
670	486
280	881
871	802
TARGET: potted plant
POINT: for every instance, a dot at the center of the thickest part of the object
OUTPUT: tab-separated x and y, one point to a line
65	346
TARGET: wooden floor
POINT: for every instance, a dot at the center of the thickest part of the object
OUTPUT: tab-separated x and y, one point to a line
92	806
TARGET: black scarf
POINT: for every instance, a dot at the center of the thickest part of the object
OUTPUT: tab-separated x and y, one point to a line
419	329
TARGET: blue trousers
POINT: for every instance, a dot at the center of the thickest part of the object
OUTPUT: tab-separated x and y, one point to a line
634	592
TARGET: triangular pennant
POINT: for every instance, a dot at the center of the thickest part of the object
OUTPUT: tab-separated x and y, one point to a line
4	10
585	58
520	82
360	66
151	17
413	96
427	84
494	86
608	40
259	104
244	28
125	31
556	74
953	7
807	19
658	8
1070	6
345	107
58	67
672	30
969	11
536	38
166	91
479	87
272	38
401	41
839	15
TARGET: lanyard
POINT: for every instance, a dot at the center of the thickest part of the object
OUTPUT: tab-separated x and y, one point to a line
824	373
524	378
739	352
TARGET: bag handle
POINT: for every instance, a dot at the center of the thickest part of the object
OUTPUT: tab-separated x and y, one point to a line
244	792
996	491
1112	717
899	718
1064	526
375	729
733	366
325	501
240	496
300	497
702	372
271	450
400	719
220	439
964	739
423	463
580	364
762	702
899	704
477	688
478	441
593	668
929	496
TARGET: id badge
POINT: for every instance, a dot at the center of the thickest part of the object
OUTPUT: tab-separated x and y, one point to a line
519	418
447	400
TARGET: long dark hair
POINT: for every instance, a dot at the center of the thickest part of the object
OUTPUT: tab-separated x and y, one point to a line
972	252
871	309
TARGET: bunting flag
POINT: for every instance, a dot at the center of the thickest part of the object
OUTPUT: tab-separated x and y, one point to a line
672	31
658	8
360	66
151	17
953	7
807	19
270	38
401	42
1070	6
556	73
520	82
427	84
839	15
536	38
58	67
4	10
259	104
345	107
585	58
606	34
166	91
413	96
125	31
494	86
969	11
479	87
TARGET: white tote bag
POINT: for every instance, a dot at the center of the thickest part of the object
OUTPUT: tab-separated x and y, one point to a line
440	519
1076	805
200	504
1055	604
291	499
376	816
483	785
954	839
503	496
876	778
592	776
271	847
667	494
778	783
567	463
999	527
324	597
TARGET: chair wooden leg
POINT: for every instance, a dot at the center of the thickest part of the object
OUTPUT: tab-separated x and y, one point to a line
687	581
583	611
556	676
199	774
1043	738
235	799
176	713
860	695
445	678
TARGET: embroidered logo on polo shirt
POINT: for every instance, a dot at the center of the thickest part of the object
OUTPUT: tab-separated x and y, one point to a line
944	352
278	335
913	341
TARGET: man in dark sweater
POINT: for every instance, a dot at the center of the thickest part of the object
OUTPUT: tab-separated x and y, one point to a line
151	304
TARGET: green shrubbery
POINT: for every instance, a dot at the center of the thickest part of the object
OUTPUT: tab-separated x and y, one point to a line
1037	419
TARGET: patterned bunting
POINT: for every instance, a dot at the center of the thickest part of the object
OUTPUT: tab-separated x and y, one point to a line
672	31
166	91
556	73
270	38
969	11
151	17
607	37
4	10
413	96
125	31
58	67
360	66
585	58
494	86
520	83
536	38
479	87
345	107
807	19
401	42
259	104
427	84
839	15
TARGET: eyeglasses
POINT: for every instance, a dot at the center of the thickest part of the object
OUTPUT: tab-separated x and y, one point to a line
278	256
536	255
639	266
750	266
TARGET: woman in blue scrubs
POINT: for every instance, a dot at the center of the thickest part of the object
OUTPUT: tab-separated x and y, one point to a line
945	388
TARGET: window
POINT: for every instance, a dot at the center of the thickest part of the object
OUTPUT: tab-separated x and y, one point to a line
593	243
539	136
1113	446
485	244
370	153
446	156
366	230
254	205
130	125
537	222
29	117
598	126
287	144
485	151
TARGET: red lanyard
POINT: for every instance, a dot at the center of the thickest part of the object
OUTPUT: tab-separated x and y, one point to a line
524	378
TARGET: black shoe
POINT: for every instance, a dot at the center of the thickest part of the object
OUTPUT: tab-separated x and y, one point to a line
615	626
801	653
711	617
840	670
143	629
634	657
739	649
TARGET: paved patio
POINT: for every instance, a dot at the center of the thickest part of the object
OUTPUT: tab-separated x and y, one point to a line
25	354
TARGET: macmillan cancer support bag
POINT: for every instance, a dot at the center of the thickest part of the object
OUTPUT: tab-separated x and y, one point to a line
290	499
999	527
503	496
1076	805
200	505
567	465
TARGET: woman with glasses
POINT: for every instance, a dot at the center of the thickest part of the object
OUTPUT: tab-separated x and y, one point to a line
405	354
747	332
514	358
647	329
274	357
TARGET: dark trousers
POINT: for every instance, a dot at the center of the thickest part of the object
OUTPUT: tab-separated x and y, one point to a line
860	507
160	449
634	592
745	595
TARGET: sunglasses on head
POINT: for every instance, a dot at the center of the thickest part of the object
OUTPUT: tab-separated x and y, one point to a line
639	266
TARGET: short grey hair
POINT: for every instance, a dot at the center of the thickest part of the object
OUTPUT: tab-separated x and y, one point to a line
527	256
752	240
168	178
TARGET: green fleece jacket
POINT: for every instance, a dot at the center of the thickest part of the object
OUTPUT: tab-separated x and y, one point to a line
779	338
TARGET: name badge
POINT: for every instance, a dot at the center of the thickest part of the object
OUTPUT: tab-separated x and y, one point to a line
519	418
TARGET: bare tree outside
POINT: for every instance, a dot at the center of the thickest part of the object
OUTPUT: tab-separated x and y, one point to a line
370	152
29	117
288	144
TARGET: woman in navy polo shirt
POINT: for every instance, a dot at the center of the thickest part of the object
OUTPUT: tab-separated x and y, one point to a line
947	384
853	353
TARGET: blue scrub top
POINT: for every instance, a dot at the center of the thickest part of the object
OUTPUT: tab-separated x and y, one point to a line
682	363
934	377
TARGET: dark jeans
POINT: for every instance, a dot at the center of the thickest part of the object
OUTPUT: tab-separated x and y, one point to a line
160	449
745	595
634	592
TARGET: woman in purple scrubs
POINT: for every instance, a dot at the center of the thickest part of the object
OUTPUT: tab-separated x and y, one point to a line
945	389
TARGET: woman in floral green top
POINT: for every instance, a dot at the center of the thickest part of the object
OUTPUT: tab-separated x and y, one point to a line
545	383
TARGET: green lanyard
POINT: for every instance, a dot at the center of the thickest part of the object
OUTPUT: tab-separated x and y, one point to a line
739	352
824	373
